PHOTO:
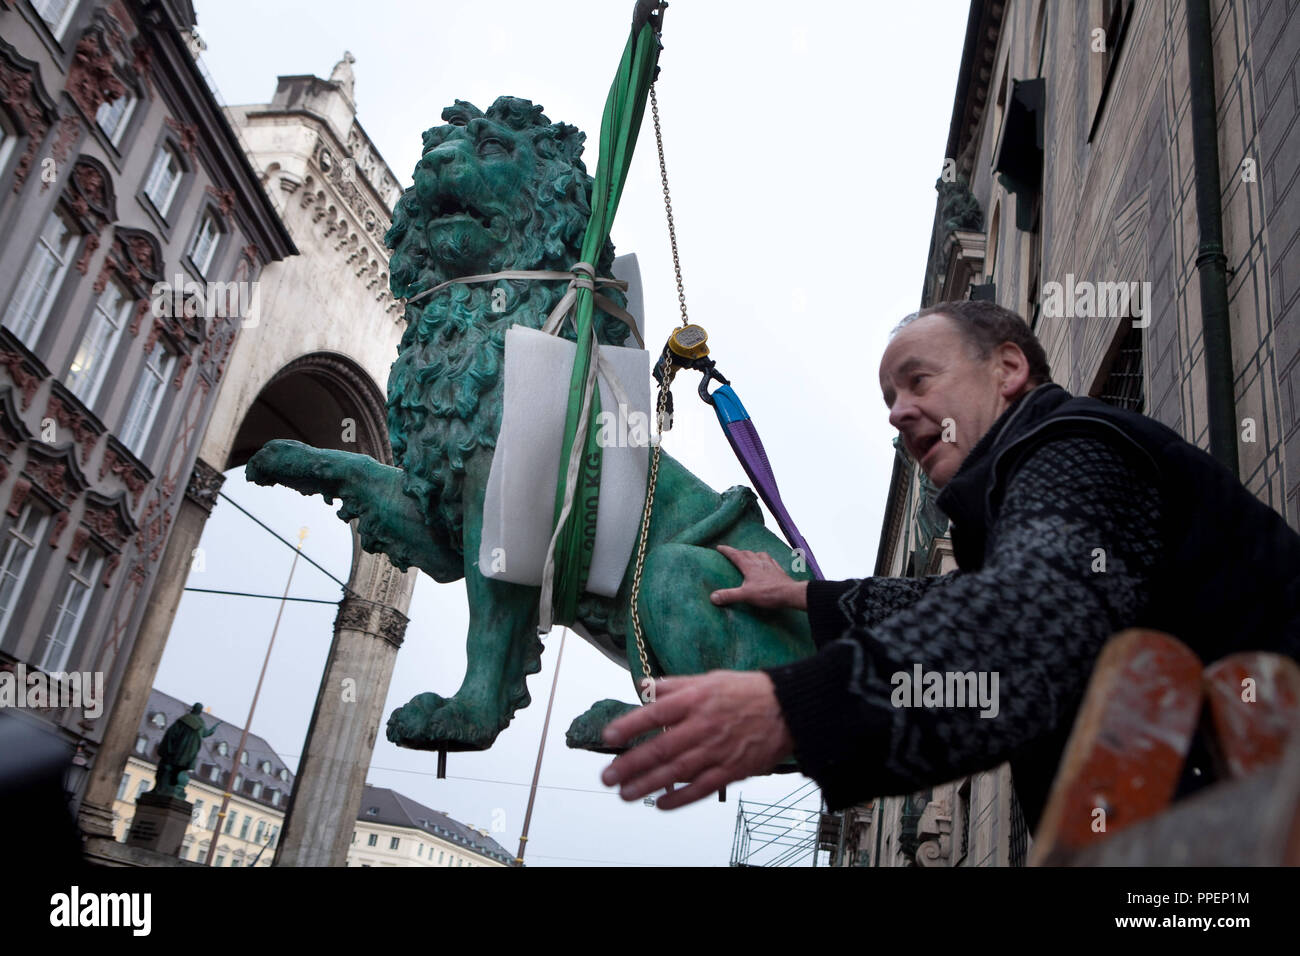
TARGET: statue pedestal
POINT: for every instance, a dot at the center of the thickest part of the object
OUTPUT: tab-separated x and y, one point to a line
160	823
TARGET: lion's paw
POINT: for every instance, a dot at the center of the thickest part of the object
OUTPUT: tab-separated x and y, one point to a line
432	722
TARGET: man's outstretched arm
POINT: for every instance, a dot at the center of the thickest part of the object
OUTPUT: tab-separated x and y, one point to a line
1034	618
1036	614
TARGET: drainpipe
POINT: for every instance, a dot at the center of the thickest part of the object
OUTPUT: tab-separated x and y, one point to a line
1211	263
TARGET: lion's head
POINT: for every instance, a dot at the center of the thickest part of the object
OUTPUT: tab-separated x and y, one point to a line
505	189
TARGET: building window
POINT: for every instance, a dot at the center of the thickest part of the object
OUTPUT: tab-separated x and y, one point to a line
141	744
372	840
440	855
148	396
420	852
185	850
261	828
100	341
266	766
197	815
275	798
275	832
392	844
214	774
243	830
159	720
121	787
41	279
113	115
204	246
284	774
141	787
71	611
221	859
1124	382
56	14
213	816
243	757
19	549
230	821
164	177
257	788
223	748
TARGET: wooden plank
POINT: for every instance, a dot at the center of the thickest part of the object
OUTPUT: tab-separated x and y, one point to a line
1254	701
1250	821
1126	751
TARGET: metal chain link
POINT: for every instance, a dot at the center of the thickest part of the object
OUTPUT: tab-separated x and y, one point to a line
665	387
670	370
668	204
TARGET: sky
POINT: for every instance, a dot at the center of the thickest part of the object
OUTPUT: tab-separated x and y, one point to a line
802	148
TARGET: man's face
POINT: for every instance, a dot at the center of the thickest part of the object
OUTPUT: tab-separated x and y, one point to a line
941	398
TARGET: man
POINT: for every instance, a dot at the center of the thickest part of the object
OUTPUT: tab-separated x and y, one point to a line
1072	520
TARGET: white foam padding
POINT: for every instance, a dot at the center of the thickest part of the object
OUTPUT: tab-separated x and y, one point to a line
520	502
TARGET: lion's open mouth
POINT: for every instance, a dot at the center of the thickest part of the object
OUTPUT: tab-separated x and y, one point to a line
451	208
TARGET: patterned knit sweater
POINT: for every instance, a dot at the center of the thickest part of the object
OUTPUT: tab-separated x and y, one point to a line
1069	562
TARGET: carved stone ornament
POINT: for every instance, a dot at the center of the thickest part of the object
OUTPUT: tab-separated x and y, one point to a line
121	463
205	481
68	413
33	110
934	831
92	77
25	370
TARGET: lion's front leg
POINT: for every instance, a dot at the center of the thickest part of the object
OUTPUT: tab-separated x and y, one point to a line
502	649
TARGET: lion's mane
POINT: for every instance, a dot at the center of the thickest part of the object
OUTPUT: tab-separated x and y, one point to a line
445	388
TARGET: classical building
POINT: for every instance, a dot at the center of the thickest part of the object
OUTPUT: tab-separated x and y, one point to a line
393	830
1080	135
132	230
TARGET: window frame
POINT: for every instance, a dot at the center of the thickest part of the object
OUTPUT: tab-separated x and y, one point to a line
22	291
57	30
208	215
171	150
139	446
115	135
81	578
13	530
112	340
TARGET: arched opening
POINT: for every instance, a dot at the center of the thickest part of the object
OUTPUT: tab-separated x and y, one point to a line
324	400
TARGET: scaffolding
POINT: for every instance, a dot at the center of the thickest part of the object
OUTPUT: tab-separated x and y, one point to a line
785	833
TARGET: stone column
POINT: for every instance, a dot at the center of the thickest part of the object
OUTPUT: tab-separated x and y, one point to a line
95	816
349	713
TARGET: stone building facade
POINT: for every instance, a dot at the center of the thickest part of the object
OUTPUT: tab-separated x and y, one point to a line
309	366
1071	163
121	182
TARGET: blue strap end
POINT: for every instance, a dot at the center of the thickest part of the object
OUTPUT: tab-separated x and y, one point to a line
727	404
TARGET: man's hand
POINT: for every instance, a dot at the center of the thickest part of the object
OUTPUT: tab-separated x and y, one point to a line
766	584
722	726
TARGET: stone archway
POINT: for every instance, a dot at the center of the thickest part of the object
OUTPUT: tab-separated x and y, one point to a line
325	399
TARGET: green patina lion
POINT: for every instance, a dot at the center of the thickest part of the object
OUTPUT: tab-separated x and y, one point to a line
506	189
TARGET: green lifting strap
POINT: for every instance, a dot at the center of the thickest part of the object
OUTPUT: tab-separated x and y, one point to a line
619	126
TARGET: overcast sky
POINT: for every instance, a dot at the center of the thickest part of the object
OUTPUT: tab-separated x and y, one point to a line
803	144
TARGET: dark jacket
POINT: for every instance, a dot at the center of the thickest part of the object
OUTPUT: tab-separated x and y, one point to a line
1231	580
1211	565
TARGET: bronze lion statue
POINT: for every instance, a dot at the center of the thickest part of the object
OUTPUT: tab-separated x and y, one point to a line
496	190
